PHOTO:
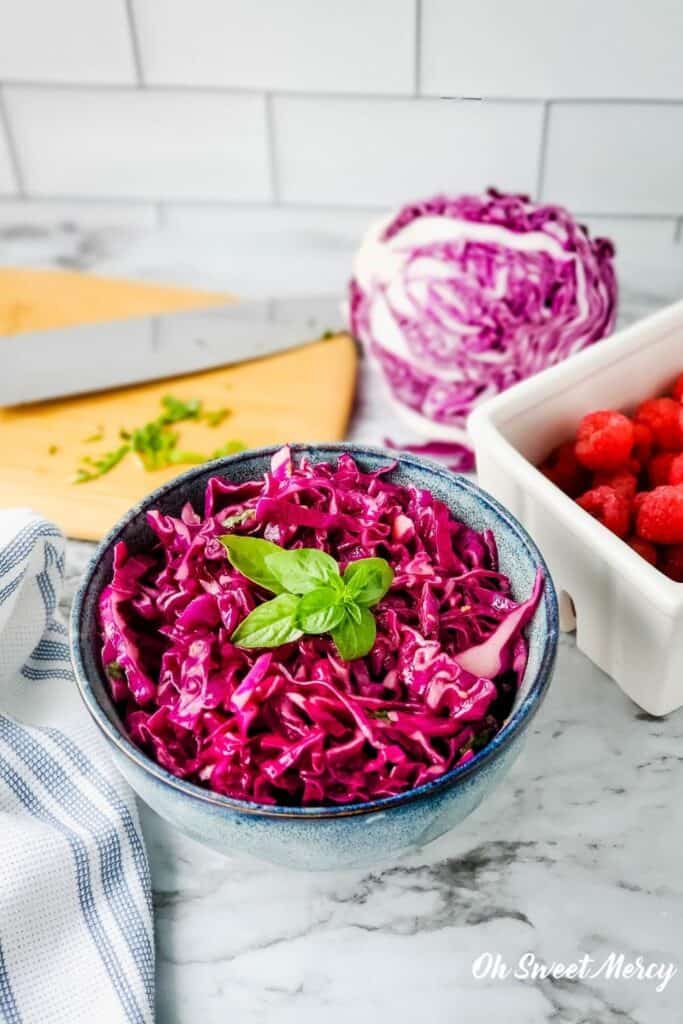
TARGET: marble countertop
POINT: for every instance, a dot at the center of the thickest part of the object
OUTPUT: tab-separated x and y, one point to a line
577	852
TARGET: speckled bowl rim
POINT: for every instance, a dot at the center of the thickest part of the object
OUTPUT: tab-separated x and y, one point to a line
514	726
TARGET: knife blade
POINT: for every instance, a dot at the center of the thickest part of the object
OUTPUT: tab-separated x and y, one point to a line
40	365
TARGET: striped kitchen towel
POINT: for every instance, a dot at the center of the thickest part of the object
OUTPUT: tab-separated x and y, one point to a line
76	940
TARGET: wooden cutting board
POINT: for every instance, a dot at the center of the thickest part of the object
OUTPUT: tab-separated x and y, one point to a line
301	395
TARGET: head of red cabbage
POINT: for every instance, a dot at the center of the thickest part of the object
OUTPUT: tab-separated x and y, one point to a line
298	725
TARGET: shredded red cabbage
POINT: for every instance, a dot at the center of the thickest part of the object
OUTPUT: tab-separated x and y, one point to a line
297	725
459	458
459	298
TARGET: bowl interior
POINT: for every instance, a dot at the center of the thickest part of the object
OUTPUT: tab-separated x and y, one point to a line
519	559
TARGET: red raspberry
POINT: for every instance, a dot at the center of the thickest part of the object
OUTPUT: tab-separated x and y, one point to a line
609	507
638	501
676	471
642	443
664	417
672	562
677	389
659	468
621	480
660	516
644	549
565	472
604	440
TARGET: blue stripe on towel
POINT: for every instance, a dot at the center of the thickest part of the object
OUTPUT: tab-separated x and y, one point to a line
48	650
8	1004
22	545
86	765
9	589
37	674
45	586
51	650
89	816
100	781
19	550
85	894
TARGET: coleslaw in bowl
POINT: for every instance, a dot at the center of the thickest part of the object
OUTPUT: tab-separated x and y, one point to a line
298	824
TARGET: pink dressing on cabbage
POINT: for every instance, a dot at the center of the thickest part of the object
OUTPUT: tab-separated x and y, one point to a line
298	725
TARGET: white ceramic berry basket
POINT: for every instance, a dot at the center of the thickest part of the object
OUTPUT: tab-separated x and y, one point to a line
627	615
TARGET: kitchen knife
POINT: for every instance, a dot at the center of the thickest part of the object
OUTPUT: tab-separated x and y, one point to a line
35	366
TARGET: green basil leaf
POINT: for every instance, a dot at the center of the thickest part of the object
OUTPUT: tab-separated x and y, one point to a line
302	569
249	555
367	580
354	640
353	611
320	611
270	625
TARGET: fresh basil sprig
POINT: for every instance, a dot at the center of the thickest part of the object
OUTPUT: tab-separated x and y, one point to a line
270	624
312	595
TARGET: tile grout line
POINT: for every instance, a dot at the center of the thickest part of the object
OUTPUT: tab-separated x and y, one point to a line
543	147
6	127
337	94
198	203
418	46
134	43
619	215
271	143
678	231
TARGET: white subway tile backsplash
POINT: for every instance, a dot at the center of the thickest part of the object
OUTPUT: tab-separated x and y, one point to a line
312	105
353	46
648	258
355	152
615	158
536	48
65	41
140	144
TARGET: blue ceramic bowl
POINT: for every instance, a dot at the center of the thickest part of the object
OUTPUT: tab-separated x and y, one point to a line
355	835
